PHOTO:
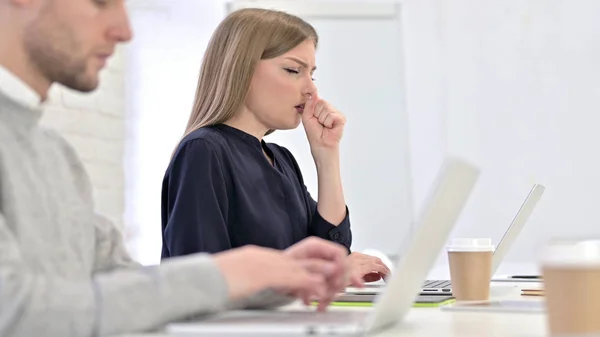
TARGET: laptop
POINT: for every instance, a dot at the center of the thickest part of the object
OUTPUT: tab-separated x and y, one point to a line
451	191
443	287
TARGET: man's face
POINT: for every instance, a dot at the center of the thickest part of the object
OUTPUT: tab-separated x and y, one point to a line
70	40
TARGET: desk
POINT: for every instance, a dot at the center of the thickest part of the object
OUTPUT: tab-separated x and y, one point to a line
429	322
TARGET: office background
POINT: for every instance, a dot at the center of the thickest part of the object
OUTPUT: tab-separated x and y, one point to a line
514	86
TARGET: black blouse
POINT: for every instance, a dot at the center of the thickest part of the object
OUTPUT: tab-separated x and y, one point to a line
221	192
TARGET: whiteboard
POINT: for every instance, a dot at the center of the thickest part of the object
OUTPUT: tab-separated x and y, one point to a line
361	72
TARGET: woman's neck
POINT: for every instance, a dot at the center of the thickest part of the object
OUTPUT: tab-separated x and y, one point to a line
245	121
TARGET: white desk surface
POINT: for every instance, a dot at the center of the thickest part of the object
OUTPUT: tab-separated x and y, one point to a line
427	322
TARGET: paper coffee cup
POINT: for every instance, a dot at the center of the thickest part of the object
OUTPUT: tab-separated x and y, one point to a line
571	273
470	262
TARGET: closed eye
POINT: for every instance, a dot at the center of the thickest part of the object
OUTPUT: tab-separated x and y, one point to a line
101	2
296	72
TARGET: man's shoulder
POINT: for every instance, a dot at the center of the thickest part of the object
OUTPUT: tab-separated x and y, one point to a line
14	140
55	139
75	165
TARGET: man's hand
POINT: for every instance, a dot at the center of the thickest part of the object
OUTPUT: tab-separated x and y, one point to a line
313	269
251	269
332	265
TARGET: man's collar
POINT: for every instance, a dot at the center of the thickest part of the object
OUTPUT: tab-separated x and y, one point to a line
13	87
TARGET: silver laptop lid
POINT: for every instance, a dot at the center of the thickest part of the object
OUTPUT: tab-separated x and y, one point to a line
454	184
517	225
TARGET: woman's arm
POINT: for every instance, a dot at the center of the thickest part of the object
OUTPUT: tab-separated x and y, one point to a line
195	202
324	126
338	231
331	204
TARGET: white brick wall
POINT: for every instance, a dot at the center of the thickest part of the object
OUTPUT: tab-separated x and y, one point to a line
94	124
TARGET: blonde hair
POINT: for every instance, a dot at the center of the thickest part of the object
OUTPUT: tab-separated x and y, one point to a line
243	39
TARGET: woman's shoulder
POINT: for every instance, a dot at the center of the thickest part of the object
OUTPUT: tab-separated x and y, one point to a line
203	139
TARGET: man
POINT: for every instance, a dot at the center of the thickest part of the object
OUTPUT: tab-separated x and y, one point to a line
64	270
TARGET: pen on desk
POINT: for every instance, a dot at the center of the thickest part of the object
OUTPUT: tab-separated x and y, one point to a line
526	277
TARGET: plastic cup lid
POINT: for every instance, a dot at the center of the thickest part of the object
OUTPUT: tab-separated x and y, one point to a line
470	245
584	253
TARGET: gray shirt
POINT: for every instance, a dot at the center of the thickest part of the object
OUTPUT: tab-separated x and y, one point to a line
64	270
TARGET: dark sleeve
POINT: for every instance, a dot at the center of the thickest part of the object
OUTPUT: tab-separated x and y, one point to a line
195	202
318	226
326	230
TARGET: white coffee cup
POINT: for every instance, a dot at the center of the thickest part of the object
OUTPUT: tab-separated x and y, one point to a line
571	273
470	262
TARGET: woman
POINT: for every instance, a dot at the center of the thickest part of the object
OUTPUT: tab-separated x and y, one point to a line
225	186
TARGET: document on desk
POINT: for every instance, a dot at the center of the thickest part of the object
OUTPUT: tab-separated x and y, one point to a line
515	306
517	278
532	292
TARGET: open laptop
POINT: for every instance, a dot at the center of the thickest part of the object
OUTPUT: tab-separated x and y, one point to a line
451	192
443	287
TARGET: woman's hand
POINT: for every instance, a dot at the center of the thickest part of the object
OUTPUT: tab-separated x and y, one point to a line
368	268
324	126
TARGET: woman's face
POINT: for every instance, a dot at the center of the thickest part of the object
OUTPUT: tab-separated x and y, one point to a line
280	86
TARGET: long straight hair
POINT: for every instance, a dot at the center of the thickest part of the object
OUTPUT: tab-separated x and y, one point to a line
240	41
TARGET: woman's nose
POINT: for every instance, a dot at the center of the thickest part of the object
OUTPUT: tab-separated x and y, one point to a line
310	88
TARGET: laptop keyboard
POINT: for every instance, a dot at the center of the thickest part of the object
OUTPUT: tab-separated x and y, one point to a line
438	284
331	317
283	316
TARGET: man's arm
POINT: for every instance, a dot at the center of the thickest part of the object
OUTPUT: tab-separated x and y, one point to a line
111	302
111	254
